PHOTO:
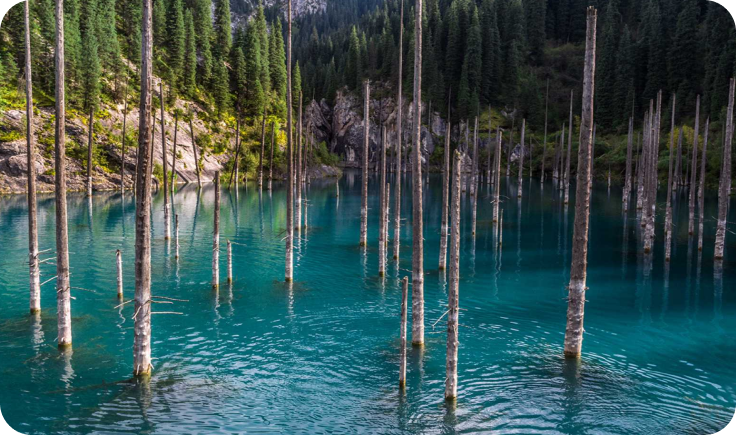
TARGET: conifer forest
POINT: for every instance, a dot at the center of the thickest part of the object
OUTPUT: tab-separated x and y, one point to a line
367	216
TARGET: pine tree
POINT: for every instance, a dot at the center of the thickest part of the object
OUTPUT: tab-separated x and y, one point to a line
296	84
605	84
90	69
656	77
107	37
684	59
624	97
176	47
263	46
190	55
254	96
353	67
72	47
220	86
238	76
130	18
159	26
203	26
491	71
223	38
536	11
277	68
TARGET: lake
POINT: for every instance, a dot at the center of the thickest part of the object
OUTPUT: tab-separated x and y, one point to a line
322	354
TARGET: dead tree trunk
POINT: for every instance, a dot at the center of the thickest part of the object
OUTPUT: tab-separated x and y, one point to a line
668	216
89	149
142	327
521	159
724	188
384	204
678	167
167	207
561	168
122	142
578	269
366	140
119	263
694	172
176	236
454	285
402	333
194	149
569	152
544	146
417	255
35	286
299	142
399	143
445	196
701	187
263	148
489	170
497	188
270	160
651	185
474	167
216	236
289	273
63	287
511	144
627	181
173	157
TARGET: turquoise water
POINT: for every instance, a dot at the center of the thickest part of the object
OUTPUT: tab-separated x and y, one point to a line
321	355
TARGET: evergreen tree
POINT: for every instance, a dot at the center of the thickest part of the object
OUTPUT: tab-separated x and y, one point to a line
263	46
107	37
605	85
684	59
238	76
203	25
491	71
296	85
353	68
624	97
130	18
254	94
220	86
72	47
656	77
469	90
176	43
277	68
222	29
90	67
536	11
159	26
190	55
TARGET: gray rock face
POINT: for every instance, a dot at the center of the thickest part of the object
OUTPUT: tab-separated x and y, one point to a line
342	127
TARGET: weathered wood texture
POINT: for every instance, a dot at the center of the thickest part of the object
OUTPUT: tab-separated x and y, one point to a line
454	285
364	180
417	255
289	270
216	235
724	188
34	281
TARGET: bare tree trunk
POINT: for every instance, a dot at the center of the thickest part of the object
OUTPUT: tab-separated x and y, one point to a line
521	159
651	185
216	236
63	287
119	263
229	262
366	140
454	285
694	173
640	171
194	148
627	181
173	157
89	150
384	204
561	168
678	167
668	217
724	188
488	164
511	144
289	273
417	255
555	167
701	188
445	195
578	269
299	142
263	148
569	152
497	188
122	144
35	286
270	160
400	141
167	206
474	167
235	175
402	351
142	328
544	146
176	236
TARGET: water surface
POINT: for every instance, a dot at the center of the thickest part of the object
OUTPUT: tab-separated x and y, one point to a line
321	355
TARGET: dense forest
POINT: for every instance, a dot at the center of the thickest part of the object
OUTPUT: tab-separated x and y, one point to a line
230	57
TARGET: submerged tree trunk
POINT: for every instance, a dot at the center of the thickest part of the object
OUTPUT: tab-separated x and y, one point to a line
578	269
167	208
417	255
651	184
521	158
366	140
694	172
701	187
299	142
454	285
216	236
382	213
89	149
445	197
497	188
122	142
173	157
270	160
724	188
263	149
402	333
668	216
400	142
63	287
544	145
627	181
119	263
289	273
142	326
35	286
